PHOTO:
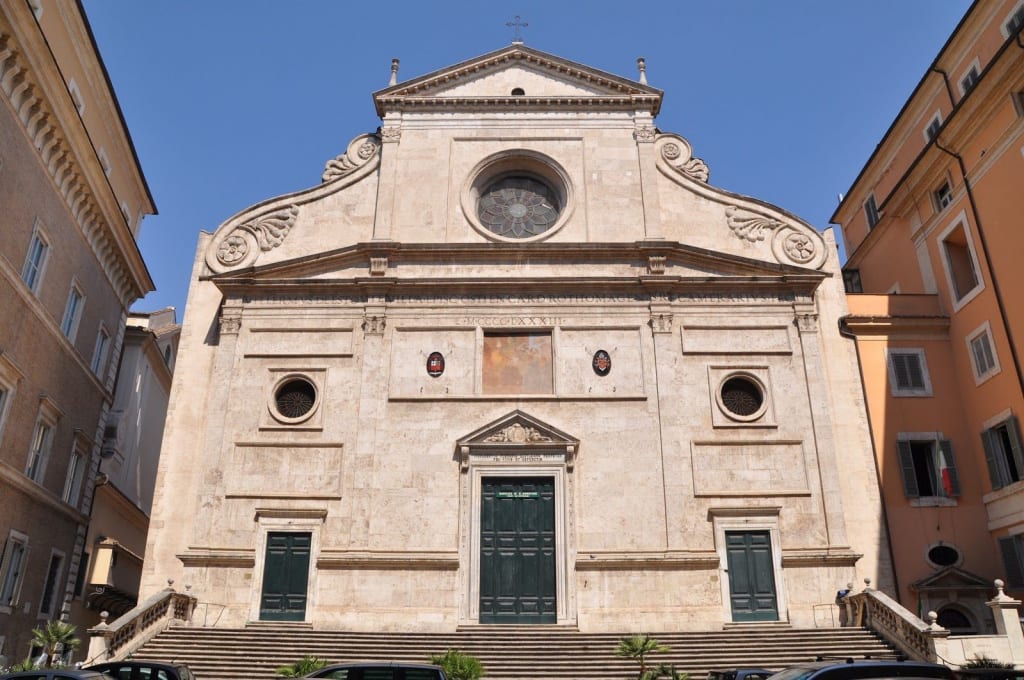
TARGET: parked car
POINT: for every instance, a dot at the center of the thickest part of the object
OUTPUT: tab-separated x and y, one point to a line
54	674
740	674
380	671
858	670
990	674
143	670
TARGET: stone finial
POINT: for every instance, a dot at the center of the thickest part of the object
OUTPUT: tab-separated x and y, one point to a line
867	584
641	64
394	73
170	583
104	615
933	620
999	587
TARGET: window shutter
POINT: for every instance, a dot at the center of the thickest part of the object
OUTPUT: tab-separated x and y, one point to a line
1013	432
907	469
995	469
906	367
1011	562
947	469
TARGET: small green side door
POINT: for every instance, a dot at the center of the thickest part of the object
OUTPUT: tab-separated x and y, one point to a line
751	576
285	577
517	551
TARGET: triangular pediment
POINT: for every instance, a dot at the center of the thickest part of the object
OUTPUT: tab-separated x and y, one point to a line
514	77
952	579
518	429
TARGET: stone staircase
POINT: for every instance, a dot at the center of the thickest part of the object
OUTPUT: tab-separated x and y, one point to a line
507	652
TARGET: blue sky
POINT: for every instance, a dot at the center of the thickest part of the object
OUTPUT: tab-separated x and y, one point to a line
230	102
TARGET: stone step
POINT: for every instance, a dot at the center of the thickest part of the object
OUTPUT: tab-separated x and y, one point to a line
508	653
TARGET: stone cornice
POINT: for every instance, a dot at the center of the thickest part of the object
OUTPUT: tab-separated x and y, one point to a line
39	494
665	560
545	104
45	113
239	558
811	557
388	559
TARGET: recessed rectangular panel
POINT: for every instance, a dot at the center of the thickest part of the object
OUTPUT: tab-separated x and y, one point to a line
745	468
736	340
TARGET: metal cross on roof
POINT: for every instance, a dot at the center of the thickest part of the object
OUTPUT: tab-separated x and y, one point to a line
517	38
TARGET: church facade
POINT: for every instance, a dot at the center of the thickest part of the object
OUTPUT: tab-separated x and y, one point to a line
515	360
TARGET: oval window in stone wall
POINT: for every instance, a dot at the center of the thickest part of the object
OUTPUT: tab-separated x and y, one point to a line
943	555
742	397
294	398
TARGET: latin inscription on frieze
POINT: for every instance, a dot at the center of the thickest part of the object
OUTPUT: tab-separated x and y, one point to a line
512	299
521	458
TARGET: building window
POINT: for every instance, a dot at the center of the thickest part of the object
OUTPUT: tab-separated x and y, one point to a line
984	361
50	590
871	211
960	262
517	363
851	281
72	312
99	352
969	80
1012	549
944	555
908	373
35	261
42	438
1013	21
933	128
928	467
73	480
943	197
1002	453
12	568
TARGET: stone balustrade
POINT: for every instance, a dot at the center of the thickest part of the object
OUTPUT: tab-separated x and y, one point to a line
127	633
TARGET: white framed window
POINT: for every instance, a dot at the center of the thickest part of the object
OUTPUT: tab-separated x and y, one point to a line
984	361
943	196
72	312
49	600
1014	20
12	569
76	473
908	372
970	78
927	467
871	211
932	129
35	259
1003	455
960	262
42	440
100	351
10	376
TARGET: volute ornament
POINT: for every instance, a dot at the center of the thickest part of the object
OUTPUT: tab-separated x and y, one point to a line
265	232
678	156
789	244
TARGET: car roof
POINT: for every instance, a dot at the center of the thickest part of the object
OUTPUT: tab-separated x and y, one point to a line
380	664
84	674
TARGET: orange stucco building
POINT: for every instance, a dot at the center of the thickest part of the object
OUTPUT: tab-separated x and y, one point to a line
933	233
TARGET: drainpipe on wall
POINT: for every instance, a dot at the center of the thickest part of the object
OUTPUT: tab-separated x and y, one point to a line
981	235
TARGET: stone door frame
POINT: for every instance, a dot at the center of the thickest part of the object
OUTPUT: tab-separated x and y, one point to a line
516	446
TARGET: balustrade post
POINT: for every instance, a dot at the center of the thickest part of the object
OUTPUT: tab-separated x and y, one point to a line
1004	610
99	640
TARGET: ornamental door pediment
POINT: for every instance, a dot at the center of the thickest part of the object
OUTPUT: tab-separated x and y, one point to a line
518	438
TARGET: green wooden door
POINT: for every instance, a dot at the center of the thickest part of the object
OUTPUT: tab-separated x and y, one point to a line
285	577
751	576
517	551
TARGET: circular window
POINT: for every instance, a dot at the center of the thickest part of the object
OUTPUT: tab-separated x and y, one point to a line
517	196
742	397
943	555
518	206
294	399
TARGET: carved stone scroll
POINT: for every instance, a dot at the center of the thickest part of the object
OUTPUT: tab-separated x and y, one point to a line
677	155
244	243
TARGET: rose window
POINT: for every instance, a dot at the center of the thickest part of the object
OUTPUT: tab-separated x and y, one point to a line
518	207
295	398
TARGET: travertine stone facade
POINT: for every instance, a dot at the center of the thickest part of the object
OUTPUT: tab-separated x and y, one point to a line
659	356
